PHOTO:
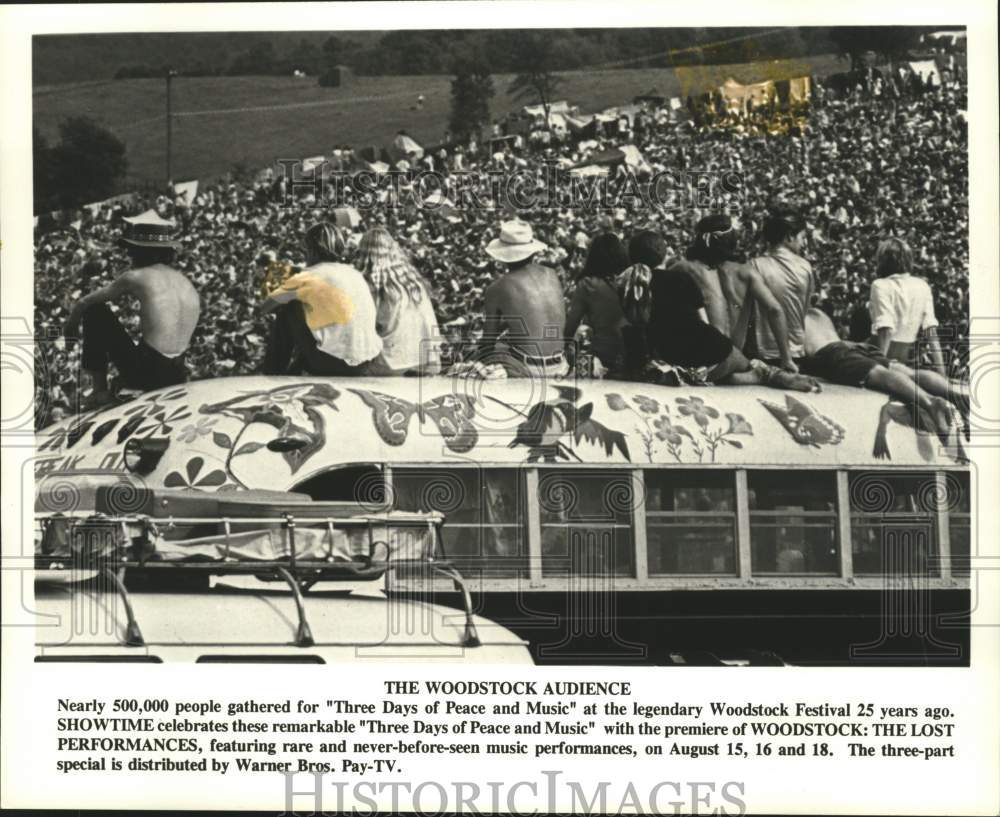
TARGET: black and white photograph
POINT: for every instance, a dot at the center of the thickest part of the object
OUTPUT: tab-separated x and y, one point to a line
642	347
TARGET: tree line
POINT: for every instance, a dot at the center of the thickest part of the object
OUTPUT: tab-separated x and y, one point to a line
499	51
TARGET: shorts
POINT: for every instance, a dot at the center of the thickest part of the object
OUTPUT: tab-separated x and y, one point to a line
694	343
844	363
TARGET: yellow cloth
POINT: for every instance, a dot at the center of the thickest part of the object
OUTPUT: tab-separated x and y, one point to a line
324	303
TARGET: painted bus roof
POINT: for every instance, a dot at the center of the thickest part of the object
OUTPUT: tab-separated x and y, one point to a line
218	429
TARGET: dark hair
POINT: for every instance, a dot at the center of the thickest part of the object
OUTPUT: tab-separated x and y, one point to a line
860	325
781	223
716	241
647	247
606	257
147	256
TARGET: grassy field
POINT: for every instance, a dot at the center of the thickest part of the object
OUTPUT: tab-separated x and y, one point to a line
220	121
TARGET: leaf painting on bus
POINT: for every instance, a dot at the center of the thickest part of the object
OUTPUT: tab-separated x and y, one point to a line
806	425
293	410
149	416
655	425
547	424
451	413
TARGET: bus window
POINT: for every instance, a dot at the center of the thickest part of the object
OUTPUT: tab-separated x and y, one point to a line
959	502
484	514
352	483
690	522
586	521
793	522
893	522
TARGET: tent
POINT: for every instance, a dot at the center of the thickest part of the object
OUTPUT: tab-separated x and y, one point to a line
186	192
799	89
737	96
562	106
310	164
404	147
925	69
558	123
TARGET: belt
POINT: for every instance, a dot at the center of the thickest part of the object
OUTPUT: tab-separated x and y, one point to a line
536	361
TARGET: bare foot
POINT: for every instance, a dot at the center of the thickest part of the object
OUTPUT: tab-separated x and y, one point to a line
960	401
794	382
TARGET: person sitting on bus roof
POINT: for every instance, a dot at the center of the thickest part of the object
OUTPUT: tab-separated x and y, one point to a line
169	307
525	306
790	279
325	321
733	289
865	366
595	301
672	327
404	315
902	306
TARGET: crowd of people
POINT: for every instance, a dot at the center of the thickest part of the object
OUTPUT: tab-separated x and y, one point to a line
717	284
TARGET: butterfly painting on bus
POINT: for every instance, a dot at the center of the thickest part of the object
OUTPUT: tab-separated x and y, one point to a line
451	413
806	425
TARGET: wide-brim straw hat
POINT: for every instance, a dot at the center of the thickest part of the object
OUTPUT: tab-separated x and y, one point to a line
515	243
149	230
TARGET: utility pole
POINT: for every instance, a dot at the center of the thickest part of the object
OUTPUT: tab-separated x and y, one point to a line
170	125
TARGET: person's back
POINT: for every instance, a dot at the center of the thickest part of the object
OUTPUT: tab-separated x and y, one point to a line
529	303
169	307
789	277
903	304
409	332
707	279
597	300
339	310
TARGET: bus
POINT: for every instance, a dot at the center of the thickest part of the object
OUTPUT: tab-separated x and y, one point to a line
600	521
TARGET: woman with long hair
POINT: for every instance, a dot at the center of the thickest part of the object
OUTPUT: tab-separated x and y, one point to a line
404	315
595	301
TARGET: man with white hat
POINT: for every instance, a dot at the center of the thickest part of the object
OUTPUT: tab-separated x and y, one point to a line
169	307
526	307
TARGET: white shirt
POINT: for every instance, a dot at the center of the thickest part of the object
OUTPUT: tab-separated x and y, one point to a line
902	304
339	310
410	335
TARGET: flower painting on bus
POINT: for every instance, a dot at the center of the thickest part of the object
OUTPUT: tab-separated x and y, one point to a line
655	424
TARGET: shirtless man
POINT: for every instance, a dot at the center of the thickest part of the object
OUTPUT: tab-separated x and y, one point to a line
790	278
526	307
168	311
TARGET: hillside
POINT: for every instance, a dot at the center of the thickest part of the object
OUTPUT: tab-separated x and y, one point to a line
223	120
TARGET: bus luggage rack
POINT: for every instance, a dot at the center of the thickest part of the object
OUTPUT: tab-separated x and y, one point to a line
112	545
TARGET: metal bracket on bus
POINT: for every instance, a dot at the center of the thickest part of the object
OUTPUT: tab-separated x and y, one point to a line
303	636
471	637
133	635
